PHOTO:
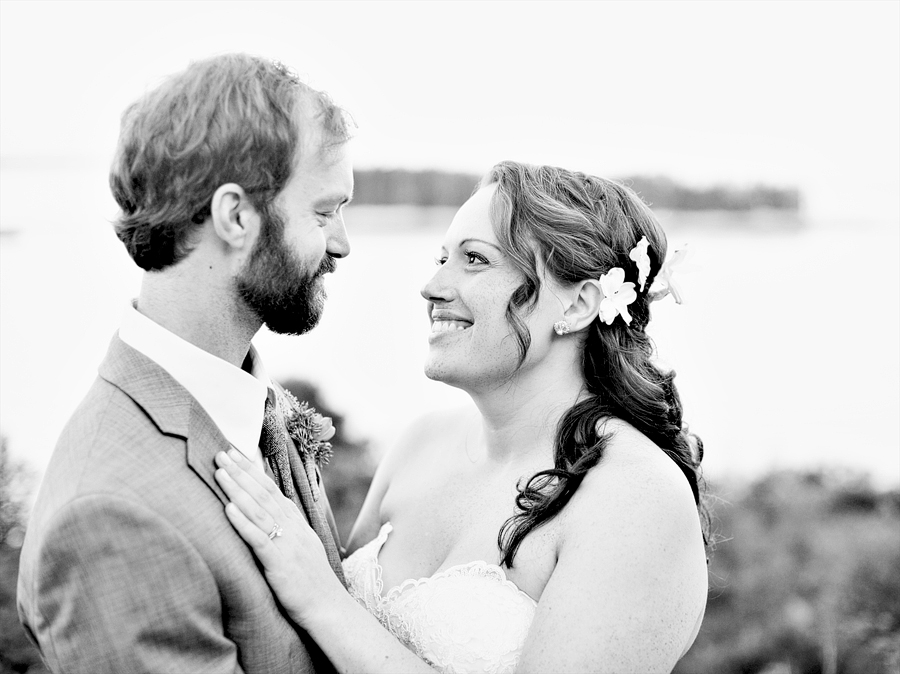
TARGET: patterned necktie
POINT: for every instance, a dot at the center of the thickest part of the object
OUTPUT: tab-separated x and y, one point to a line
297	479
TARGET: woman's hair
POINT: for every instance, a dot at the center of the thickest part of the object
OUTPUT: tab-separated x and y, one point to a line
574	227
230	118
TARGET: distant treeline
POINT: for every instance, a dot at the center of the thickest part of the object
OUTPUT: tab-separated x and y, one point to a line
439	188
663	192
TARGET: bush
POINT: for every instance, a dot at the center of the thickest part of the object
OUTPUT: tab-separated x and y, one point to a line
16	652
807	580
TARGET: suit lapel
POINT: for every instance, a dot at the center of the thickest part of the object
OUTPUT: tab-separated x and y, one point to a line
204	441
175	412
170	406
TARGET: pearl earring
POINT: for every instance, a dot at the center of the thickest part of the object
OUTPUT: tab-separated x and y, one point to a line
561	327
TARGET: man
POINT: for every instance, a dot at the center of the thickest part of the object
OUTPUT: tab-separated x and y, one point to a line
231	177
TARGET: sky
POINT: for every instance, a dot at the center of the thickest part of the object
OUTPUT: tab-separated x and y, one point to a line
782	93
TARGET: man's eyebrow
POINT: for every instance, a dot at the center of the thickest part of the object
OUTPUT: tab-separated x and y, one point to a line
337	199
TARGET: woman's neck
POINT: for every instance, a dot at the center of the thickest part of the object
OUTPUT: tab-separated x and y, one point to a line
519	418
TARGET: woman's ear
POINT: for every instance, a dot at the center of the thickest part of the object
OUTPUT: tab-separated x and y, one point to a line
235	220
585	307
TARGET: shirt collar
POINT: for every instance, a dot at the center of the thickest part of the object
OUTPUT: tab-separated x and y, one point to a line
233	398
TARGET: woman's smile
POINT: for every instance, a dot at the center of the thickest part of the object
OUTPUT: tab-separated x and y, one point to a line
449	326
443	321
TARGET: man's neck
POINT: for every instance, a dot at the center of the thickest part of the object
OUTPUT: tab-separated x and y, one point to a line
201	313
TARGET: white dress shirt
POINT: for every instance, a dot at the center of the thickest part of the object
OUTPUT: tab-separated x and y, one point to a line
233	398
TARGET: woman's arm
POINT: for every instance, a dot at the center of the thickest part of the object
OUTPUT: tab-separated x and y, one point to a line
298	571
630	584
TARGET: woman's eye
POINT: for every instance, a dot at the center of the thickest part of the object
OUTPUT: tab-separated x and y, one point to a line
440	261
475	258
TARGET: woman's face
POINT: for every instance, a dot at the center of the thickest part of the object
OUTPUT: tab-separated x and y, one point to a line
472	345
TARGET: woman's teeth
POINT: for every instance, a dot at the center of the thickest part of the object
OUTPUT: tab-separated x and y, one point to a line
447	326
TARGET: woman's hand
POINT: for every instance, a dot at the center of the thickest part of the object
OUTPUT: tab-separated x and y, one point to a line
294	558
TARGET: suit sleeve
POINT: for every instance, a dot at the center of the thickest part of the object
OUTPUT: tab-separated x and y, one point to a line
119	589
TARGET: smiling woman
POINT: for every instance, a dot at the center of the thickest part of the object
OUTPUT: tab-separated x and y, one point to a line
554	525
467	299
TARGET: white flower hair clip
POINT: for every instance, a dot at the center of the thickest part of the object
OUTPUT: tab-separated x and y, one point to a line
642	260
664	284
617	295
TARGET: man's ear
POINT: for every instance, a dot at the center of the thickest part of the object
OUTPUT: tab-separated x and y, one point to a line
235	220
585	307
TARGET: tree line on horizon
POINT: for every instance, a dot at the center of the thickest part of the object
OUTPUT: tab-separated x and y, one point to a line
442	188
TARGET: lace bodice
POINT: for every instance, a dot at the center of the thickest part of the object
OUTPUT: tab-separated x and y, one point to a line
467	618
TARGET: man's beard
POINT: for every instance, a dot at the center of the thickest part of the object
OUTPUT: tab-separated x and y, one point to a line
274	284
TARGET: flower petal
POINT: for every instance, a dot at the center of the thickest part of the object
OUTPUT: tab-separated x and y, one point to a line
639	255
611	281
608	311
328	429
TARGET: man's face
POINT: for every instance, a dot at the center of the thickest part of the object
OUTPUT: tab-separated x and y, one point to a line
301	233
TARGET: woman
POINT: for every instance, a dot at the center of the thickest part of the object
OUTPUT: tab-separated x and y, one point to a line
552	527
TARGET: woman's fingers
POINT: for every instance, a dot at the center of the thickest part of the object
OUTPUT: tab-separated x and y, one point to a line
256	502
239	470
252	470
258	514
254	537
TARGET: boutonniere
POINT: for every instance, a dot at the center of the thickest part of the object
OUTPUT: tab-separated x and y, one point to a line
309	430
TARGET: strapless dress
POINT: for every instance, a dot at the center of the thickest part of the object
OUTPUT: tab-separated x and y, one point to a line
464	619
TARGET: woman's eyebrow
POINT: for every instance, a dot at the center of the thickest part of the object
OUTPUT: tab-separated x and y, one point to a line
486	243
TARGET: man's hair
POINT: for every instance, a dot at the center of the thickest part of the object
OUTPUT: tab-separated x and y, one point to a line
230	118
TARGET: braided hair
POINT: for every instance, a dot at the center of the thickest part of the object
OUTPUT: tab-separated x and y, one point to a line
579	227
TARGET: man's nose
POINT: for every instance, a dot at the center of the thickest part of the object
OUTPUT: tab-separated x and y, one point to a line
338	244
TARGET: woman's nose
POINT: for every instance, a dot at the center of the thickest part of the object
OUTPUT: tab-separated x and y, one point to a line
436	288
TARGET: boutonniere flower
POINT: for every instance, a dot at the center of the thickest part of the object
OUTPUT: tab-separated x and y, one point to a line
309	430
642	260
617	295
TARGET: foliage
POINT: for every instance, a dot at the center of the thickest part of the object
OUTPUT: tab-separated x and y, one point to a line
16	652
439	188
419	188
806	580
663	192
15	482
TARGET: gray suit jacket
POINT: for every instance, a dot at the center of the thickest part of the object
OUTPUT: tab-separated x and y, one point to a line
129	563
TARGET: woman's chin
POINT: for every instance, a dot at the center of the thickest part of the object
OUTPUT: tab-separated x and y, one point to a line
443	373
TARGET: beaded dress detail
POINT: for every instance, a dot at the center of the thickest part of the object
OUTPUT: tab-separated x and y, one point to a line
467	618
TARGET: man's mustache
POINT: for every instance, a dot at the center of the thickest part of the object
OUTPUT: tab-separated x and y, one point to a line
328	265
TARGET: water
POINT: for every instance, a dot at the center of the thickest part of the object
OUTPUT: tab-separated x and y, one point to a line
786	348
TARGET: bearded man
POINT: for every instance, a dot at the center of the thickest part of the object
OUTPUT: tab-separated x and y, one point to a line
231	177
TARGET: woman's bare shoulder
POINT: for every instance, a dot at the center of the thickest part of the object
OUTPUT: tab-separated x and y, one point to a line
414	452
631	562
637	483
